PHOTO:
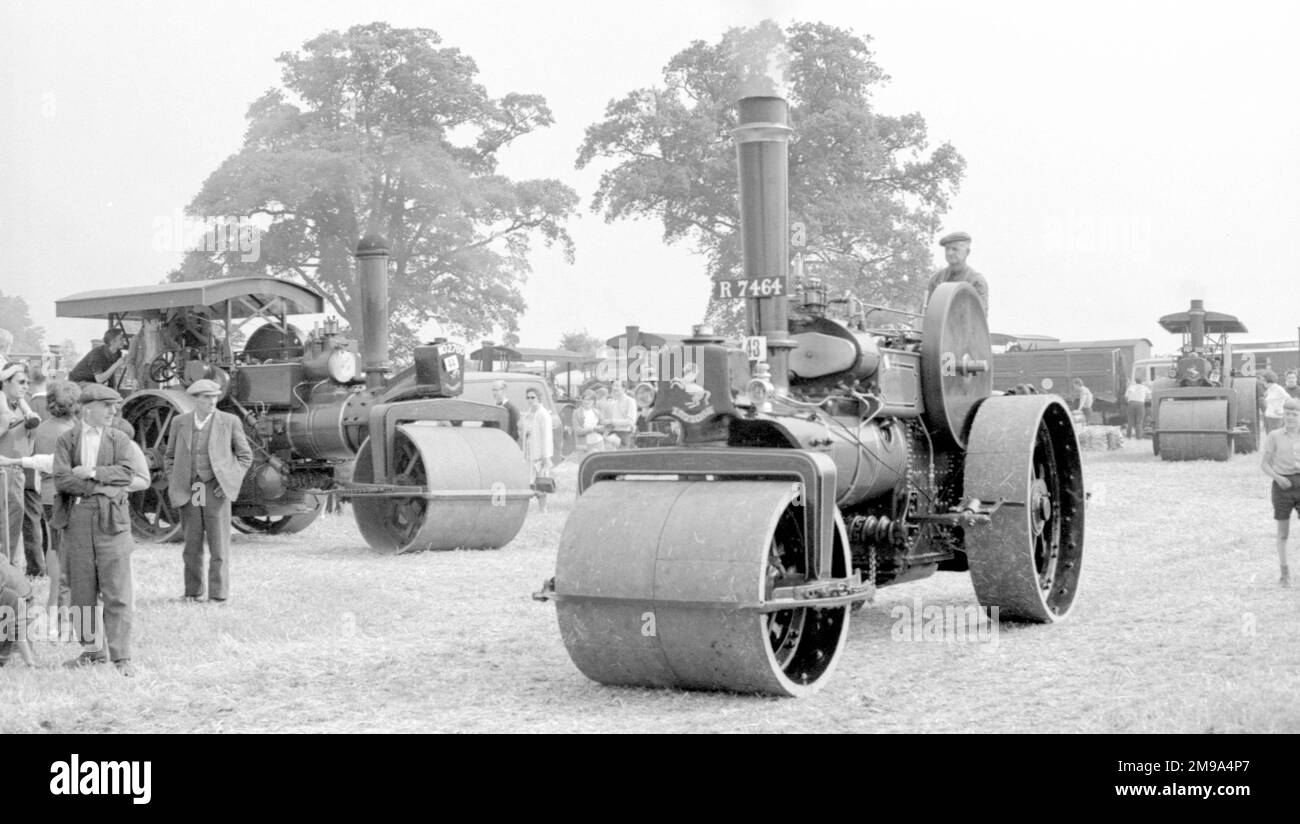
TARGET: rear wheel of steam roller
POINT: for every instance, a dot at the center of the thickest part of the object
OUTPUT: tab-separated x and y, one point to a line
1026	561
281	524
1210	414
651	577
153	517
956	358
448	459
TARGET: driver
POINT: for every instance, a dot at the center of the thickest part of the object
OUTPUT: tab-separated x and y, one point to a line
104	362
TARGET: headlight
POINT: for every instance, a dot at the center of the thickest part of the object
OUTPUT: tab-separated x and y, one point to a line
760	391
343	366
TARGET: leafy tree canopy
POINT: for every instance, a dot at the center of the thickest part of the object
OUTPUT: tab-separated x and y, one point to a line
16	318
867	187
384	130
583	342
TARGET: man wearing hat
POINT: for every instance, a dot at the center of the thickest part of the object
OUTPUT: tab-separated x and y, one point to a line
207	456
956	248
94	472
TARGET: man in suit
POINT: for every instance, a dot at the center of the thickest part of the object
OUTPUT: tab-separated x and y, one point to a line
207	456
95	470
502	400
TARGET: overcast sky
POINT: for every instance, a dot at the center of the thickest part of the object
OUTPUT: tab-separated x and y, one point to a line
1122	158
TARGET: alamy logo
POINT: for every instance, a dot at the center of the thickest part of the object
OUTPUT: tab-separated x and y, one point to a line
77	777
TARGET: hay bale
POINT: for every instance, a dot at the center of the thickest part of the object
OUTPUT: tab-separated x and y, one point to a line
1101	437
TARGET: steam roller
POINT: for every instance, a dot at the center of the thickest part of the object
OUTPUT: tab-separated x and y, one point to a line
772	495
1204	411
323	413
432	471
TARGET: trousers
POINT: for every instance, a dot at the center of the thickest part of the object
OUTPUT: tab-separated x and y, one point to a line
100	564
60	590
35	533
1137	419
11	507
211	521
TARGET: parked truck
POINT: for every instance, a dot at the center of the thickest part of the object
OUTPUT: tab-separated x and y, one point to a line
1105	371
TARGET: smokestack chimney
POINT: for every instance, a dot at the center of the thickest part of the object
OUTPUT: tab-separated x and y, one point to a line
1196	324
762	151
372	283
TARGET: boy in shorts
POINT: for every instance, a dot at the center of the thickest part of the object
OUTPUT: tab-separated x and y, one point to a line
1281	462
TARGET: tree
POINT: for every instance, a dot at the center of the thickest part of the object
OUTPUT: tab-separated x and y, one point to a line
583	342
16	318
864	185
379	129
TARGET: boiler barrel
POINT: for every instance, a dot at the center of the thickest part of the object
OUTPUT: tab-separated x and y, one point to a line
328	425
870	458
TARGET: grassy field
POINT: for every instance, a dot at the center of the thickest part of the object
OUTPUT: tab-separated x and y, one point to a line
1180	627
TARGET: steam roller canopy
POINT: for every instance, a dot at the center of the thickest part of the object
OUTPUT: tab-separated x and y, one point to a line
1210	414
653	577
956	358
444	459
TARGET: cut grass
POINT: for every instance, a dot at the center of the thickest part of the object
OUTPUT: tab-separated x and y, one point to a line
1180	626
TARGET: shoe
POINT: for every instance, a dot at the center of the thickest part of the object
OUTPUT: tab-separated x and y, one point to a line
85	659
218	601
190	599
124	667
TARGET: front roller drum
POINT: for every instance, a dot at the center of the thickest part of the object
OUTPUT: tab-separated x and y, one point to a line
1026	561
1209	414
659	584
469	463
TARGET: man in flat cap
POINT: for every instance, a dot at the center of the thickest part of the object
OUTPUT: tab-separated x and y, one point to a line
207	457
95	470
956	248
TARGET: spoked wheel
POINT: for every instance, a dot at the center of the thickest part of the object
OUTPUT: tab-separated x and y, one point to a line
153	518
1027	560
266	524
481	473
653	588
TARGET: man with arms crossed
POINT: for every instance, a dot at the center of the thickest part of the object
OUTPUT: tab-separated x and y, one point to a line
95	470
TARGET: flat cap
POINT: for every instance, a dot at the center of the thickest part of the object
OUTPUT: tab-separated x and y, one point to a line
92	392
204	387
954	237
